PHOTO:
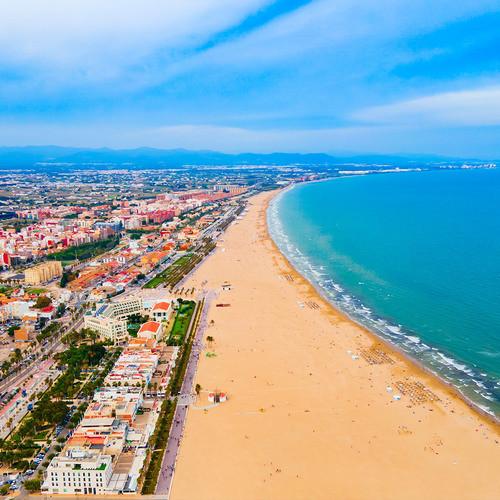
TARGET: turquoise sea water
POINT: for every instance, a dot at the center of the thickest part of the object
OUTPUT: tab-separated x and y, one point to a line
413	256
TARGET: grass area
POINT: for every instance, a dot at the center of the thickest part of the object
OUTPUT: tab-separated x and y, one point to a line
85	251
159	439
39	436
165	276
181	323
182	362
37	291
136	234
181	267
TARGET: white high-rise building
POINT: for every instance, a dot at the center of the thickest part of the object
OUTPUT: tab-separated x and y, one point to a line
80	472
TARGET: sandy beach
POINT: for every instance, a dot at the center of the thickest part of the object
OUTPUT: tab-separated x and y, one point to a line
313	409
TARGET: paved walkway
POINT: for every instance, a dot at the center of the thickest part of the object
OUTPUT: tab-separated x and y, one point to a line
167	470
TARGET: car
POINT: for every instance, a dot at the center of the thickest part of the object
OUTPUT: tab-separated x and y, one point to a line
29	472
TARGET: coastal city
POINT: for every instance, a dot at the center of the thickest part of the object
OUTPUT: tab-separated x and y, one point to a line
101	329
249	250
97	329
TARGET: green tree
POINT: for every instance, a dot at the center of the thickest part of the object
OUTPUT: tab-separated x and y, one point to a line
5	367
12	329
42	301
33	484
17	355
64	280
61	308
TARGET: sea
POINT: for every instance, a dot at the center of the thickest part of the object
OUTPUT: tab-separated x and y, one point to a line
414	257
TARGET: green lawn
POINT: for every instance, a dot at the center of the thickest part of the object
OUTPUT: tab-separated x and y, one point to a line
133	328
85	251
165	276
181	323
182	266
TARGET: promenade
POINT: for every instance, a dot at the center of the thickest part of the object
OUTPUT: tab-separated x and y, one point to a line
184	399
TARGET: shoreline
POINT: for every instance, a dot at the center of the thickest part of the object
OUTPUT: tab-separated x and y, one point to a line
490	418
307	414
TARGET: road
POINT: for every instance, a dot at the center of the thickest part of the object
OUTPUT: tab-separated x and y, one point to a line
55	345
186	394
167	470
17	407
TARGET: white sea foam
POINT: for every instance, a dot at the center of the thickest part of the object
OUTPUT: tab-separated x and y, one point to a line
458	373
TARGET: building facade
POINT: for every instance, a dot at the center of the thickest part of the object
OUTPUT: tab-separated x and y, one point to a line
43	272
111	329
78	473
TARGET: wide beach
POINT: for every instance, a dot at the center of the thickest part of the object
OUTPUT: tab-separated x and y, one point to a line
313	409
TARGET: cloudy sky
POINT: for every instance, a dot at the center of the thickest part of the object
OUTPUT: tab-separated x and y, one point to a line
339	76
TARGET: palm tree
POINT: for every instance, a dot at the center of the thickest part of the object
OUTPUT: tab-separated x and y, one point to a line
92	335
17	355
210	340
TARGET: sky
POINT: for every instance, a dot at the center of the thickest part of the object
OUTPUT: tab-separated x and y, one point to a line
335	76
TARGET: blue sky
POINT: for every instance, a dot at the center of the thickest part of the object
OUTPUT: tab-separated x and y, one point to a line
338	76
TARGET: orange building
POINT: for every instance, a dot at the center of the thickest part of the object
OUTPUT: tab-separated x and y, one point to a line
21	335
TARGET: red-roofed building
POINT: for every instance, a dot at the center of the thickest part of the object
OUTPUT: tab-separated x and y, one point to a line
161	311
47	312
150	329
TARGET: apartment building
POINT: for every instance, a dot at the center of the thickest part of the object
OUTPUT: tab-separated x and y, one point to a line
111	329
124	308
79	472
109	320
43	272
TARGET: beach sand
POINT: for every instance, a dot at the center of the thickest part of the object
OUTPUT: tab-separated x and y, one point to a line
309	413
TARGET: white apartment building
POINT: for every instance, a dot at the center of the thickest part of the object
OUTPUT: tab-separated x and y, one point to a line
124	308
79	472
111	329
109	320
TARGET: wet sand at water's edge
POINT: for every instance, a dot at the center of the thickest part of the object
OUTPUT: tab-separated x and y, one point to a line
311	412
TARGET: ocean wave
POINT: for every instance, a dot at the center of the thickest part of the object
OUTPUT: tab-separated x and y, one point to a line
478	386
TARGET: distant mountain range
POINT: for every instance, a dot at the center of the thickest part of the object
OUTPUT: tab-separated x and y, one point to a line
56	157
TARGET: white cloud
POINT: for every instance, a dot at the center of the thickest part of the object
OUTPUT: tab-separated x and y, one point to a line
475	107
327	24
221	138
99	37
